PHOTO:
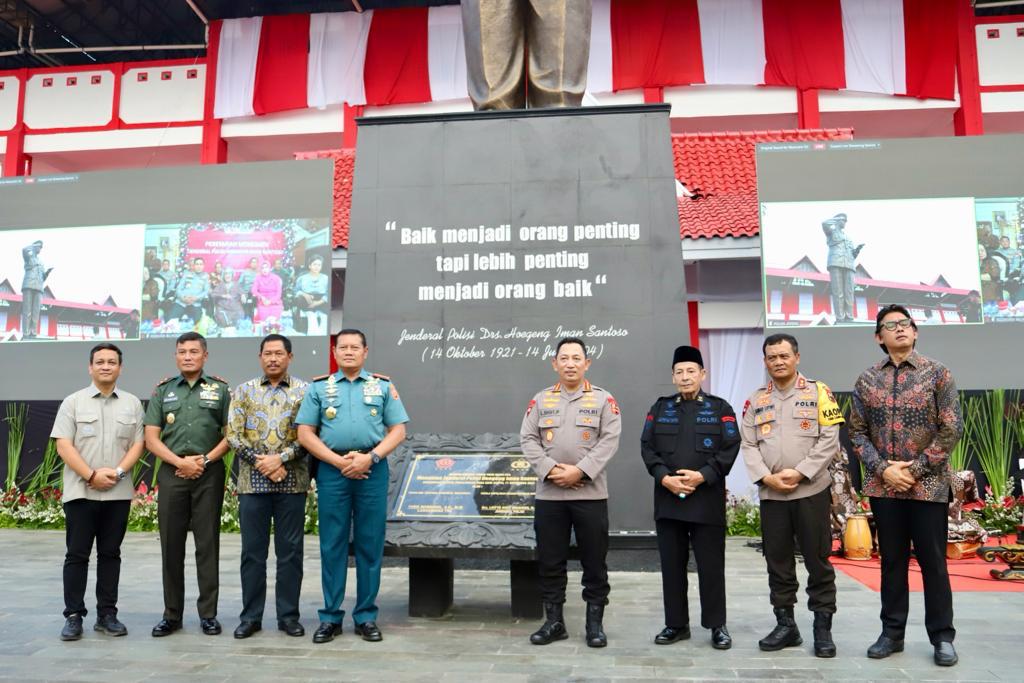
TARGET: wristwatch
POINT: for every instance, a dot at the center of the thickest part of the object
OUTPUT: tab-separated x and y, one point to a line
286	455
121	474
375	457
206	460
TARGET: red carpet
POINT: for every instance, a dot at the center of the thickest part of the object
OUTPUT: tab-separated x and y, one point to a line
964	575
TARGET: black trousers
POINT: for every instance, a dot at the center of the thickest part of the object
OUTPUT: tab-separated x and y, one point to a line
900	523
106	523
806	519
194	504
287	511
674	538
553	522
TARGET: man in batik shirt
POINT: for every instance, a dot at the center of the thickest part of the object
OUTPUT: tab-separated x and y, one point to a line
273	477
906	420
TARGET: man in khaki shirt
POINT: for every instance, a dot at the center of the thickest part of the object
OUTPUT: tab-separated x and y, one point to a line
790	432
99	437
569	434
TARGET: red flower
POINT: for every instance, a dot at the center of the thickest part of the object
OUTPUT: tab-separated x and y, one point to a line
143	489
974	505
1009	502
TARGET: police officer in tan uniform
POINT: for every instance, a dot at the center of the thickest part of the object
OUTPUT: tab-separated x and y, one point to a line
790	432
569	434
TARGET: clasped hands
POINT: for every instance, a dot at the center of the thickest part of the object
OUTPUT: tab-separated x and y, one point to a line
683	481
783	481
566	476
355	465
103	479
897	476
191	467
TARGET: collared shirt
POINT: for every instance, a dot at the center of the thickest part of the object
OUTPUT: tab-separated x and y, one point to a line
791	428
102	429
191	418
262	422
193	284
353	415
315	285
907	413
578	428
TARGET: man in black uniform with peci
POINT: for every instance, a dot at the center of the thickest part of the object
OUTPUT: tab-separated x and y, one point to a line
689	443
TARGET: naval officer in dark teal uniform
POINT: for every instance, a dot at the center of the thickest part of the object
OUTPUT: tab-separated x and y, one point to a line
351	420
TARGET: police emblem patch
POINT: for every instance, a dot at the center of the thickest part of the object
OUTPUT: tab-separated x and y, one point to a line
585	436
766	428
708	442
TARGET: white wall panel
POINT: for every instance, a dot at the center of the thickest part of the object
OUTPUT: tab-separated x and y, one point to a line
69	99
9	102
1001	59
159	94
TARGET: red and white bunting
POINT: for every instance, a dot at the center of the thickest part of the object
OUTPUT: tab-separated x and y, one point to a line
415	55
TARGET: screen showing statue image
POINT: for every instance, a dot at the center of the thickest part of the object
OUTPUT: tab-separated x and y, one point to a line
829	263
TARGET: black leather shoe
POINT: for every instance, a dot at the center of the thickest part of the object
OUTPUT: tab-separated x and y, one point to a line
72	628
326	631
165	628
247	628
109	625
884	647
553	627
369	632
670	635
292	628
785	633
720	638
211	626
945	655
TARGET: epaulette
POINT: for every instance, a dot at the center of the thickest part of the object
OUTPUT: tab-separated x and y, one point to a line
380	376
219	379
320	377
165	380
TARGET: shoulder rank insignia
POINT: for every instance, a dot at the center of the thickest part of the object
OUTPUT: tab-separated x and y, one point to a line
219	379
319	378
165	380
380	376
530	405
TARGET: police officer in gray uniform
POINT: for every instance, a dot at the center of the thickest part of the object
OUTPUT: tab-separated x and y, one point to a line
790	432
841	267
32	289
192	292
569	434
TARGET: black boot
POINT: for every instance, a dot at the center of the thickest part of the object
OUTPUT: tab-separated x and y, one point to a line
554	625
785	633
823	643
595	629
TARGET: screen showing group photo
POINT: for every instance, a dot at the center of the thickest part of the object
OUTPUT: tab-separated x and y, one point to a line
139	257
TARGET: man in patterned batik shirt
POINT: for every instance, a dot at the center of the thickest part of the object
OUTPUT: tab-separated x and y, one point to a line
906	420
273	477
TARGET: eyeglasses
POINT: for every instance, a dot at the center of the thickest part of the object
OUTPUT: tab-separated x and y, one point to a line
893	324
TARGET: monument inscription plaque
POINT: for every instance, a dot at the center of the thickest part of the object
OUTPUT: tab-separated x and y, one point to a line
468	487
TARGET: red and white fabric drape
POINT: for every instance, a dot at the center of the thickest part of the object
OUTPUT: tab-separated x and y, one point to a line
415	55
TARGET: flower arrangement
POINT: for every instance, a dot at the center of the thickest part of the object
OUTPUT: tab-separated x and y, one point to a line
998	514
742	517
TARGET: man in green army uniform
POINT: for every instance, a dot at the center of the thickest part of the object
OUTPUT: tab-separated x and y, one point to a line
350	421
185	423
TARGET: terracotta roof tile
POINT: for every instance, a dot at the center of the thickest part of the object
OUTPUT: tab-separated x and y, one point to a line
721	165
344	169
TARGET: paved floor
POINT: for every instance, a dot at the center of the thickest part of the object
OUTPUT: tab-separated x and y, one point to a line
478	642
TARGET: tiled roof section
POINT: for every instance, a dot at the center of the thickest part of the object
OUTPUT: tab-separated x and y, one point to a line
721	166
344	170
